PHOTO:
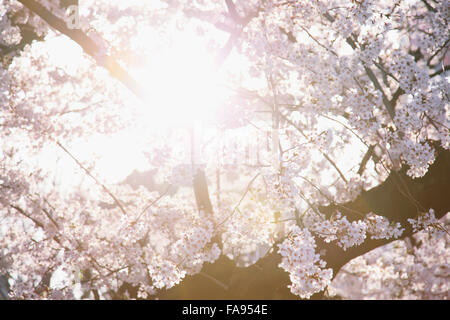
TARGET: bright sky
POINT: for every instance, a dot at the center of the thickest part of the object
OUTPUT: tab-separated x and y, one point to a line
183	85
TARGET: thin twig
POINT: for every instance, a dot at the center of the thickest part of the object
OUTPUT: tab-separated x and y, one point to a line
151	204
242	198
94	178
22	212
219	283
323	153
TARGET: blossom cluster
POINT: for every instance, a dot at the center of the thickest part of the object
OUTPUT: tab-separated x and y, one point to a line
347	234
323	83
427	221
379	227
413	268
194	248
307	270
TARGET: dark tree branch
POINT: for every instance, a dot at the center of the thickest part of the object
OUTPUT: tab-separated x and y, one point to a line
201	192
232	12
22	212
268	281
442	70
289	34
365	159
445	45
397	95
389	106
89	46
428	6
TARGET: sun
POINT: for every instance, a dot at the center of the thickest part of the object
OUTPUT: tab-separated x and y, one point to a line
181	81
183	89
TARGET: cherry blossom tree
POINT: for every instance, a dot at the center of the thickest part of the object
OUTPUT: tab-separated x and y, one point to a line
224	149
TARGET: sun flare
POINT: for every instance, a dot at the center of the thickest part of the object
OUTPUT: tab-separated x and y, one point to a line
183	83
183	90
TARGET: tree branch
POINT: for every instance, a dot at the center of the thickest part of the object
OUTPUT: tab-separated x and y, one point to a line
270	282
442	70
365	159
116	201
88	45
